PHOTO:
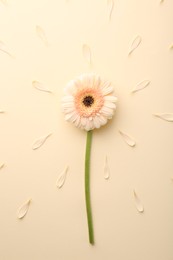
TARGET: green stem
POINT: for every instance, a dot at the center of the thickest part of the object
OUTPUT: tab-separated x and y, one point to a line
87	187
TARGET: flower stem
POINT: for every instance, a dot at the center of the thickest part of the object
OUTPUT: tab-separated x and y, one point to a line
87	187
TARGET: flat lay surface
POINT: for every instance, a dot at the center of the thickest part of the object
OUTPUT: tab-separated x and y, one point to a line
43	45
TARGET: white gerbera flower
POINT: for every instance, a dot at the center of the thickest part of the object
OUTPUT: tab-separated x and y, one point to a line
88	102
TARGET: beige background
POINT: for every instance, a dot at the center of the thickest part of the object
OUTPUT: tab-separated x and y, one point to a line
55	226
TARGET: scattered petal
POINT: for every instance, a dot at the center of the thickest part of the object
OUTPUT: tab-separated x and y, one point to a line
165	116
110	4
2	165
129	140
2	111
40	141
171	47
41	34
141	85
138	203
4	49
106	169
161	1
3	2
87	53
62	177
135	43
24	209
38	85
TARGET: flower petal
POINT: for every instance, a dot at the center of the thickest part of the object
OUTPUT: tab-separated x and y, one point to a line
106	88
70	116
83	121
24	209
89	125
68	105
69	110
62	177
67	99
96	122
111	98
40	141
138	203
96	81
77	121
109	104
107	111
84	79
103	120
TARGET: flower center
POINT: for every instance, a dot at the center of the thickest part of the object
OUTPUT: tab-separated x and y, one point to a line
88	101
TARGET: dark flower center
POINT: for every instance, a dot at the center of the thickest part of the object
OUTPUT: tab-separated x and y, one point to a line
88	101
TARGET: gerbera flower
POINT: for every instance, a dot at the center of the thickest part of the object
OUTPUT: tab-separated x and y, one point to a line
88	102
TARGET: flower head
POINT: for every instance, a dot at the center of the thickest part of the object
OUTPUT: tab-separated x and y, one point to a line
88	102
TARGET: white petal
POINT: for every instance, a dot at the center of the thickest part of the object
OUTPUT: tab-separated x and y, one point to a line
77	85
40	141
70	116
106	169
83	121
24	209
138	203
96	122
129	140
74	117
87	53
91	80
4	2
84	81
109	104
77	121
103	120
71	88
68	105
92	124
165	116
2	111
68	110
38	85
135	43
4	49
67	99
111	98
80	125
2	165
89	125
107	91
96	81
105	84
62	177
110	4
41	34
106	88
107	111
171	47
141	85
